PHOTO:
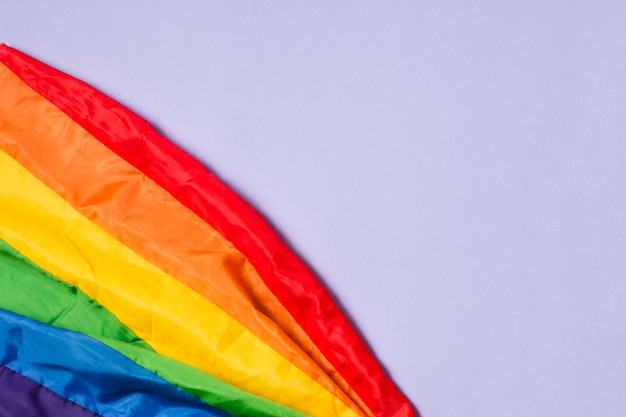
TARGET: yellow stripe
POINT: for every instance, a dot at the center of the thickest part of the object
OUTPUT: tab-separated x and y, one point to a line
173	319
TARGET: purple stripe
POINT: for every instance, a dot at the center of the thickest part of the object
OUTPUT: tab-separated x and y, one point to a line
22	397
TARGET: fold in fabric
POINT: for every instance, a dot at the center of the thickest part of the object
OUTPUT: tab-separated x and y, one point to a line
55	302
294	285
90	374
174	320
21	397
142	215
265	275
65	306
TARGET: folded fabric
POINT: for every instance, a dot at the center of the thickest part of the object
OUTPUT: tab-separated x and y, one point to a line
190	279
62	305
90	374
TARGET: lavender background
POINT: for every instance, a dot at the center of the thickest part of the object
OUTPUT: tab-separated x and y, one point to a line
454	171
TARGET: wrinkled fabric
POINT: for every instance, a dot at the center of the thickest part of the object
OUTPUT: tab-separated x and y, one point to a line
243	346
173	319
21	397
65	306
55	302
90	374
135	210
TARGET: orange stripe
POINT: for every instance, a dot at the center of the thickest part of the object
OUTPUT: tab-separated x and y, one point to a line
146	218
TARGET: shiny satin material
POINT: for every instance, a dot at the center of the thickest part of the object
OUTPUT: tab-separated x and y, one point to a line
21	397
140	214
174	320
294	285
89	373
67	307
55	302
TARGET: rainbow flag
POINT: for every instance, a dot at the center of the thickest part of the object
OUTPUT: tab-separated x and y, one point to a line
134	282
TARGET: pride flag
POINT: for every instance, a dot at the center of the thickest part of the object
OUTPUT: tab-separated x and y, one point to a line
134	282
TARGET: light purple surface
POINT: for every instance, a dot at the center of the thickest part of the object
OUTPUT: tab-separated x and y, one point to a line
455	173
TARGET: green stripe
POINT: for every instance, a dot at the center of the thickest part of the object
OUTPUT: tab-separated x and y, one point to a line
31	291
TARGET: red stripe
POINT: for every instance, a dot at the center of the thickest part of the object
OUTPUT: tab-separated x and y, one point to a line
133	139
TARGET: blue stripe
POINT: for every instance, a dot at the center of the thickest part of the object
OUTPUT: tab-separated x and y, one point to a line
91	374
